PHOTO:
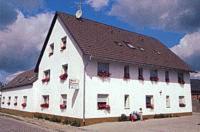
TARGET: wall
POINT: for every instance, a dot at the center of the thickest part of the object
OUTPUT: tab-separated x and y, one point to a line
20	92
116	87
55	87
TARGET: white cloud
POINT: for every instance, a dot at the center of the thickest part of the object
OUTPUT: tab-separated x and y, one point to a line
195	75
176	15
97	4
189	46
21	42
12	76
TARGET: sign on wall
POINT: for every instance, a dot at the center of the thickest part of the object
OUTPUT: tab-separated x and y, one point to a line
73	83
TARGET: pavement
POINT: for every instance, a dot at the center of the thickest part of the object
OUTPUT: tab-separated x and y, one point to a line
10	123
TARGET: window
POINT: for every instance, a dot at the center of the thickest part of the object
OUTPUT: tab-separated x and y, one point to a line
46	75
149	102
24	101
9	99
63	104
126	72
15	101
3	100
167	101
51	49
126	102
103	70
63	43
181	78
154	75
181	101
45	101
102	102
167	76
140	74
64	74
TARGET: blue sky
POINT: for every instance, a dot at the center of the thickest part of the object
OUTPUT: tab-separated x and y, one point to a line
176	23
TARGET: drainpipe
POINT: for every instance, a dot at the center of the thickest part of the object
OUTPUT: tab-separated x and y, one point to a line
84	76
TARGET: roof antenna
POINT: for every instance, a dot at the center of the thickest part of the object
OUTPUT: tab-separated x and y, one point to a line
79	11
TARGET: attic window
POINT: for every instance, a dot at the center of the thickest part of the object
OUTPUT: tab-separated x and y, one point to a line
63	43
129	45
142	49
51	49
118	43
157	52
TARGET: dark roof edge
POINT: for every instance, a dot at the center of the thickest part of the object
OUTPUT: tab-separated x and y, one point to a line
45	42
6	88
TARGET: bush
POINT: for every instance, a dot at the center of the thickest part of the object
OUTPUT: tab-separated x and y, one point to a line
39	116
45	117
75	123
123	117
162	116
55	119
66	122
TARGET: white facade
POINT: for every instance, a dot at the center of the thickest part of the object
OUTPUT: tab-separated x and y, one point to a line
85	72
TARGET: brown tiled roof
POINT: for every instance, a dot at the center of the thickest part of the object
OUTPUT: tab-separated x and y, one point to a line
23	79
107	42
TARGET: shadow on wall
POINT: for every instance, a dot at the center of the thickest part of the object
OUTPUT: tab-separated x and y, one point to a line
74	97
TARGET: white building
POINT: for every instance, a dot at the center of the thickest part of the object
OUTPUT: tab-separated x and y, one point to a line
94	72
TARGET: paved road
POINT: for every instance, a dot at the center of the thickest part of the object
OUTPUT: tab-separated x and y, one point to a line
13	125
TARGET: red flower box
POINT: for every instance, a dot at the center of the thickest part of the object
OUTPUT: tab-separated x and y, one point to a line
63	47
181	105
45	105
63	106
63	76
23	105
103	74
141	78
149	106
45	80
50	54
154	79
181	81
15	104
167	80
103	106
127	76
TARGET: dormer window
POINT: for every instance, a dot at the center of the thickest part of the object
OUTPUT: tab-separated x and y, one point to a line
154	75
181	78
64	74
63	43
103	70
140	74
46	77
51	49
126	72
167	76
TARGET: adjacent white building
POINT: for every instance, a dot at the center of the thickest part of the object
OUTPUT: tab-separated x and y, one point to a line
95	72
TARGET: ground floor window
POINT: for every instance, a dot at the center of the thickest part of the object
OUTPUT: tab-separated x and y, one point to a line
63	102
3	100
15	101
103	102
9	99
181	101
24	101
126	102
45	101
167	101
149	101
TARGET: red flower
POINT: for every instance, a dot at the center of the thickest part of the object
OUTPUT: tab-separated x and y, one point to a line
181	105
149	106
140	77
167	80
63	47
126	76
63	106
154	79
45	79
23	105
50	54
45	105
103	74
181	81
63	76
103	105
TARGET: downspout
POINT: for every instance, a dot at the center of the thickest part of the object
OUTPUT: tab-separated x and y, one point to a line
84	84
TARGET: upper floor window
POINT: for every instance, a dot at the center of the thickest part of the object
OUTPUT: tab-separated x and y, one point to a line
64	74
181	101
140	73
154	75
63	104
63	43
181	78
51	49
103	70
103	102
149	101
126	72
45	101
167	76
46	76
126	102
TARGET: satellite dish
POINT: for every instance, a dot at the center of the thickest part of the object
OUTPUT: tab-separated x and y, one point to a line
79	14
